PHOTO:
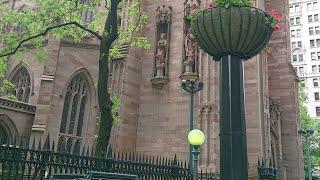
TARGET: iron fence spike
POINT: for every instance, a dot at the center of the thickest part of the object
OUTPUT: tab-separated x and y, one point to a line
53	146
21	142
39	145
88	151
109	154
134	158
83	151
92	152
47	143
14	141
270	163
34	143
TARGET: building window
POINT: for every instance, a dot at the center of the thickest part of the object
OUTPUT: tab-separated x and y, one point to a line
297	8
318	54
299	44
318	42
314	68
300	57
298	32
294	58
315	82
302	83
311	30
317	30
293	33
301	70
22	83
315	5
310	18
294	45
312	44
316	17
317	111
316	96
297	20
309	6
291	21
295	69
313	56
291	10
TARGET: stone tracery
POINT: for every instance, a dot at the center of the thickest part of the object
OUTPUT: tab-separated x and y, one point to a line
22	82
74	113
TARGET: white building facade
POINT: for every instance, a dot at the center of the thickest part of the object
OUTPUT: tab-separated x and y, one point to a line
305	47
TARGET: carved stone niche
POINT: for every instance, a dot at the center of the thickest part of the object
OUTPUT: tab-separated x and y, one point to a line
160	75
190	52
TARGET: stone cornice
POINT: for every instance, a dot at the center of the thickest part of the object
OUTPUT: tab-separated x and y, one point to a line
17	106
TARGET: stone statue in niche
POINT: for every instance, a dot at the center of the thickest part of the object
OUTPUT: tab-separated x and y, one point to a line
160	75
161	55
191	6
190	51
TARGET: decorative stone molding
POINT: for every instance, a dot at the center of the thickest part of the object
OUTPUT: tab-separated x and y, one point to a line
38	127
190	52
17	106
160	75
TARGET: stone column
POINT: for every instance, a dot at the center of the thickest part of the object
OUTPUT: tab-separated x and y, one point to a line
39	126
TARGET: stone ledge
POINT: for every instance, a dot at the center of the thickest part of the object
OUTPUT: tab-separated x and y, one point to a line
17	106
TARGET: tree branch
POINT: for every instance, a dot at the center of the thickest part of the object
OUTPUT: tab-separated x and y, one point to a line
111	25
45	32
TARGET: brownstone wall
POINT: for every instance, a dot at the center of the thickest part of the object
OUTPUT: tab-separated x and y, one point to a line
18	120
163	113
283	88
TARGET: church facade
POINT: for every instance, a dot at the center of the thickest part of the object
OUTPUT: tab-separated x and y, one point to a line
60	97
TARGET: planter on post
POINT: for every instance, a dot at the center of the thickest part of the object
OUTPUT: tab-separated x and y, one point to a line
232	35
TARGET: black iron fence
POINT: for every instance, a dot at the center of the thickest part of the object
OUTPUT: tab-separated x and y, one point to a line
266	172
22	162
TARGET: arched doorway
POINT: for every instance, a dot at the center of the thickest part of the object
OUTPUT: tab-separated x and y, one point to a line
3	135
8	131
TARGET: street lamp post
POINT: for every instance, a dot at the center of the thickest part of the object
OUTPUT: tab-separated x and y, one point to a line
191	87
196	139
307	133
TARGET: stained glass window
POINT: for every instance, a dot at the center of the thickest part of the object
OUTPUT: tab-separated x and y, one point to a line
22	85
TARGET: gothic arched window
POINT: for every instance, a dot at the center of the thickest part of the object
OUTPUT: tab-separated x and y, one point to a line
22	83
74	112
87	15
117	77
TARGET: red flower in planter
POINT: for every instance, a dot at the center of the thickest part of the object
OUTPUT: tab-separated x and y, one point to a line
210	5
276	27
274	18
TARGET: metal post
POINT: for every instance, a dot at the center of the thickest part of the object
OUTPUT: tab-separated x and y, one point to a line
191	122
233	143
308	154
195	152
191	87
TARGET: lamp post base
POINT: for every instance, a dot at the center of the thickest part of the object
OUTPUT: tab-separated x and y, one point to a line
233	142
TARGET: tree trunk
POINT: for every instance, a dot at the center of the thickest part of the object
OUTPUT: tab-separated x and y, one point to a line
109	36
